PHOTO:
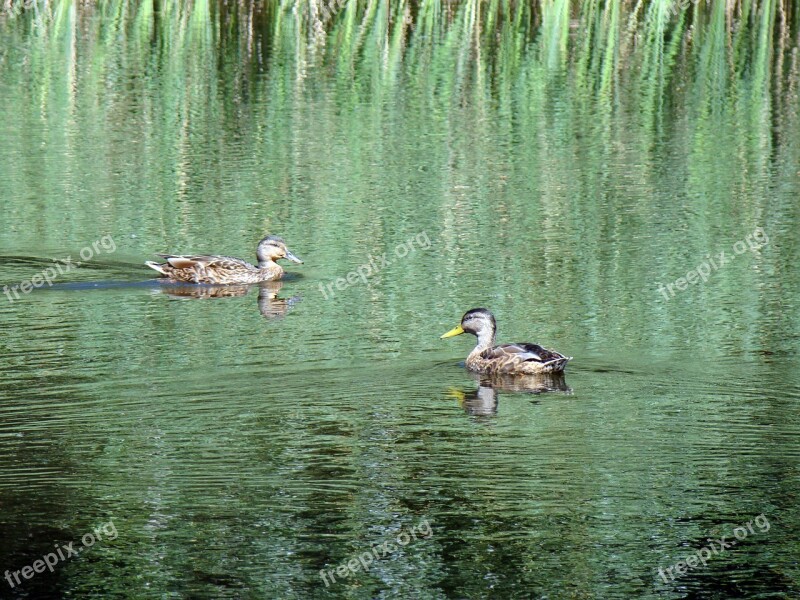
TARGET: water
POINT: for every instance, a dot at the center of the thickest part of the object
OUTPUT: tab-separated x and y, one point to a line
242	443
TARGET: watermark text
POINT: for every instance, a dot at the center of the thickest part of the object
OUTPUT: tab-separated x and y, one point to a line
65	265
107	532
754	242
365	559
375	265
714	548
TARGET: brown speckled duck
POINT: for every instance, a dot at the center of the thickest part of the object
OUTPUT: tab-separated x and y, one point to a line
511	359
218	270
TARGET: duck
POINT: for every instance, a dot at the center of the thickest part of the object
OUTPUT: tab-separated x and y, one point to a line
224	270
510	359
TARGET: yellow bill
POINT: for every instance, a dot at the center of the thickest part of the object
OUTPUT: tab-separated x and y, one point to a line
453	332
457	394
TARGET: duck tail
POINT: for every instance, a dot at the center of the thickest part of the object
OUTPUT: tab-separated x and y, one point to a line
556	365
156	266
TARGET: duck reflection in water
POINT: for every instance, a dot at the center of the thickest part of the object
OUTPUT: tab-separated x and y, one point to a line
484	400
269	304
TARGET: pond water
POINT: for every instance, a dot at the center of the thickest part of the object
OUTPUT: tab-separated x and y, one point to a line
237	444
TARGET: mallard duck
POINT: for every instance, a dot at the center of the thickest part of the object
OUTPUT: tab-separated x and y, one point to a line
512	359
225	269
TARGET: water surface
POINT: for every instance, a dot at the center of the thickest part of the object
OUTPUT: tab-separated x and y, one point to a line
243	442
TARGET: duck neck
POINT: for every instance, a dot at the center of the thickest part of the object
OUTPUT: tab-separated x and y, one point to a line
270	269
268	264
485	340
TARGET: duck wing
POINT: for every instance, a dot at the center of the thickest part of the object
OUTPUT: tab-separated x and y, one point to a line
521	353
204	261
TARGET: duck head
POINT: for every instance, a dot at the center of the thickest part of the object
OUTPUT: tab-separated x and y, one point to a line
273	248
479	322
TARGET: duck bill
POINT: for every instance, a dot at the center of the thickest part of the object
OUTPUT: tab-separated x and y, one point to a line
453	332
292	257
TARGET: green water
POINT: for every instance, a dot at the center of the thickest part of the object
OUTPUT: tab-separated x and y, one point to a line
242	443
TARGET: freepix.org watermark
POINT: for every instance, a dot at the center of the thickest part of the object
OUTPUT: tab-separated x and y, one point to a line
754	242
714	548
105	532
375	264
365	559
50	274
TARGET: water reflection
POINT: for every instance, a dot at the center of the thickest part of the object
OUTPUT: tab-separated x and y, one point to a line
484	400
270	305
